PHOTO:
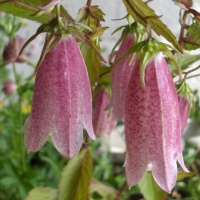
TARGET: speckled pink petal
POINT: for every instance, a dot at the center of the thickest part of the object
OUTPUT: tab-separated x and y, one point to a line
103	121
136	126
152	119
61	105
120	78
49	5
184	110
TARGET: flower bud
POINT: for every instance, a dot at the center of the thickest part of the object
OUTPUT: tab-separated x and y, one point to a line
9	87
152	126
62	102
103	121
11	51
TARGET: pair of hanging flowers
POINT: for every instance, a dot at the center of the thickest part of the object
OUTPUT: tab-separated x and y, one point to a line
143	94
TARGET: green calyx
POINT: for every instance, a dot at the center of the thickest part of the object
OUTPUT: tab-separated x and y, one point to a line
138	31
92	16
148	51
183	89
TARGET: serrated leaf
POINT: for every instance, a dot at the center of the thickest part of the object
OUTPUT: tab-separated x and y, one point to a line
187	60
25	12
150	189
182	175
31	9
104	191
92	62
42	193
75	178
192	39
143	14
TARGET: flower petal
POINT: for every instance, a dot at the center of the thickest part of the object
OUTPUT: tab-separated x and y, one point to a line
103	121
136	126
184	109
120	78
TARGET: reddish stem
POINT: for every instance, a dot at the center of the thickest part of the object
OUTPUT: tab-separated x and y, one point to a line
193	76
120	193
181	36
89	2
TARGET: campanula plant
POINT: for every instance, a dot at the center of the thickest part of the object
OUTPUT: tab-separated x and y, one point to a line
79	96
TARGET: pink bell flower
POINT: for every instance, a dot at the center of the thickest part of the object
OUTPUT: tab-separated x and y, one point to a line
152	126
62	102
103	121
120	78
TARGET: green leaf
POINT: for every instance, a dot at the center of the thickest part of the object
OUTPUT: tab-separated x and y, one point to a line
192	39
187	60
143	14
182	175
75	179
135	48
28	9
105	76
26	12
184	62
150	189
42	193
104	191
92	62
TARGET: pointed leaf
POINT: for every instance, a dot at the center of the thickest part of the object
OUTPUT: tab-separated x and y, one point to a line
150	189
26	12
192	39
104	191
27	9
92	62
187	60
142	13
42	193
182	175
75	179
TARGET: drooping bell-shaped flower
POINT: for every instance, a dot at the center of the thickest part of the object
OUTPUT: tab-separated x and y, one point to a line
62	102
103	121
152	126
184	109
120	78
